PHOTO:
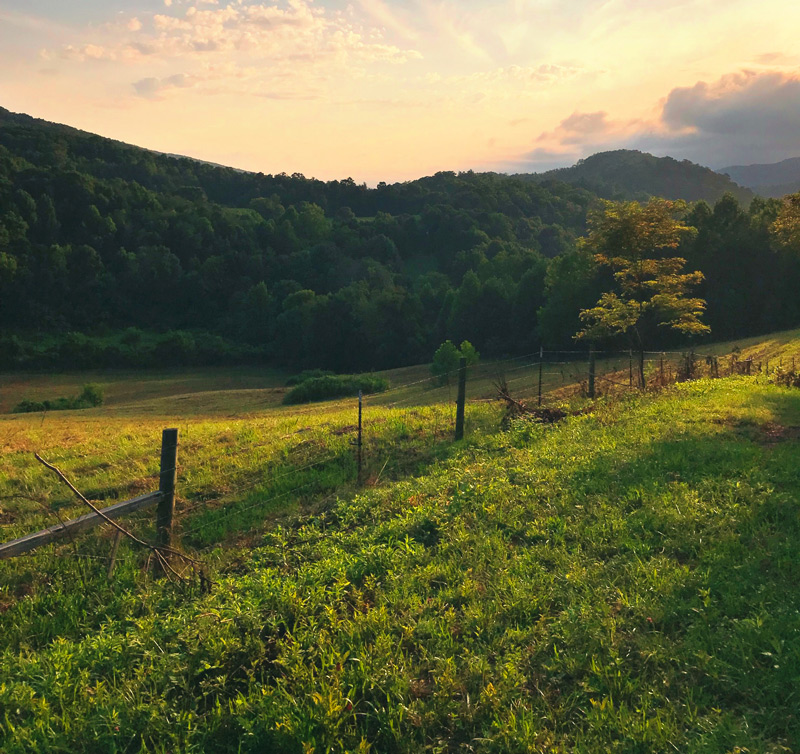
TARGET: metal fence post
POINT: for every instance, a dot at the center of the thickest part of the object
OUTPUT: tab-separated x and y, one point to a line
541	361
462	398
360	405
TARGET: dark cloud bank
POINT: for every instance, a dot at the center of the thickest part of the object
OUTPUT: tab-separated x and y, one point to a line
742	118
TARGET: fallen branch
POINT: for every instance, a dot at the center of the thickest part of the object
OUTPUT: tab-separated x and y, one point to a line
158	551
516	408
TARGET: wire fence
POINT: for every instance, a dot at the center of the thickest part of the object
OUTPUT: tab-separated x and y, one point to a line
272	474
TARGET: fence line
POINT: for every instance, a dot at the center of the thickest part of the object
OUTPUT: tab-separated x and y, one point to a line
539	376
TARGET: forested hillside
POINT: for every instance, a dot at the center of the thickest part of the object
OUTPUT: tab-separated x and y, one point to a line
775	179
630	174
115	255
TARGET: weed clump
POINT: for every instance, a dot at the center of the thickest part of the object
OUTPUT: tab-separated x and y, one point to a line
334	386
786	377
90	396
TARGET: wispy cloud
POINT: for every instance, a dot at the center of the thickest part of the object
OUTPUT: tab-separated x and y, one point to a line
297	41
155	88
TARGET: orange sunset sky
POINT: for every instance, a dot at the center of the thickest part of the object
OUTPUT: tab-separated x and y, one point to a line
395	89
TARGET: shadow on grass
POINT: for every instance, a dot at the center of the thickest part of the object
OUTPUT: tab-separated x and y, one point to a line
715	519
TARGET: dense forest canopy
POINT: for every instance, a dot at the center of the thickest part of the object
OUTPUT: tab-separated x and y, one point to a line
110	254
626	174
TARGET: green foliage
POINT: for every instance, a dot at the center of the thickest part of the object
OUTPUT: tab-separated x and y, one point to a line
447	358
97	237
468	352
445	361
307	374
627	174
624	581
90	396
786	376
334	386
786	227
651	290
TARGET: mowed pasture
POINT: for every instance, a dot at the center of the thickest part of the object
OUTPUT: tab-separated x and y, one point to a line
244	459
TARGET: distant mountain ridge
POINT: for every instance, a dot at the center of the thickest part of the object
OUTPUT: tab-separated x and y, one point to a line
630	174
771	180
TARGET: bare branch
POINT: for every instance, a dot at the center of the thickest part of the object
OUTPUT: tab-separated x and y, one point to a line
158	552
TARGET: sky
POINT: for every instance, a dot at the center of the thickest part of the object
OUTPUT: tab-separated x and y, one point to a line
390	90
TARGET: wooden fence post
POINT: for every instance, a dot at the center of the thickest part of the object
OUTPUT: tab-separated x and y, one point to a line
462	398
166	485
591	370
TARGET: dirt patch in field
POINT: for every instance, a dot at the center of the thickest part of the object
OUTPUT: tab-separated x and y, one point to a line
772	433
768	434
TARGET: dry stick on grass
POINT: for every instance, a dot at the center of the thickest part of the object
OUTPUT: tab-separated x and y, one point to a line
158	551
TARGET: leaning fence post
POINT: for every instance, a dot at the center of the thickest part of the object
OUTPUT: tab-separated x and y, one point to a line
541	359
591	370
462	398
360	402
166	486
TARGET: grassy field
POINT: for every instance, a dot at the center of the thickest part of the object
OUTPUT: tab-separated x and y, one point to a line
624	580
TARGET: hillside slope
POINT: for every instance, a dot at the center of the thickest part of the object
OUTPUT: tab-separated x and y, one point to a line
49	145
630	174
623	581
771	180
295	269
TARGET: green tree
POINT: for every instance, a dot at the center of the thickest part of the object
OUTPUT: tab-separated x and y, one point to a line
445	362
786	228
650	288
447	358
467	351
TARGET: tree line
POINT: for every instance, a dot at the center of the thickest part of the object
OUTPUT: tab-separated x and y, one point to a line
114	255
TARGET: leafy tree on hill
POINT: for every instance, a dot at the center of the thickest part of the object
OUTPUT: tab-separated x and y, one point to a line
447	358
651	290
786	228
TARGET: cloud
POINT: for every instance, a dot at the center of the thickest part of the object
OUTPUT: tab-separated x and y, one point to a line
248	44
295	30
87	52
743	117
155	88
380	12
746	116
585	123
545	73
